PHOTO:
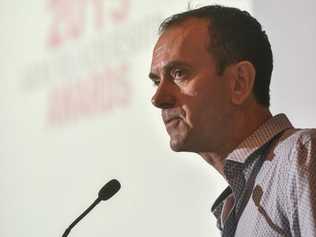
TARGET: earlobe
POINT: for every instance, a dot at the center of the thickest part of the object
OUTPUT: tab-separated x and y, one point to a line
242	82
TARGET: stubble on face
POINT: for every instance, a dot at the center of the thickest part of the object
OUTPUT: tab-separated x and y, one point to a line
176	126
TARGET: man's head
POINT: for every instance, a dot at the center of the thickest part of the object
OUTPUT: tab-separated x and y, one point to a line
208	64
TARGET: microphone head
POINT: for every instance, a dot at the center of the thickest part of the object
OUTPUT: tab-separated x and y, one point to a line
109	189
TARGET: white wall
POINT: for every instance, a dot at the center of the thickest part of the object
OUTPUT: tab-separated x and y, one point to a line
292	29
76	113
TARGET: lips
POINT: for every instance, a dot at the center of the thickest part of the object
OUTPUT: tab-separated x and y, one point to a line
171	115
170	120
172	125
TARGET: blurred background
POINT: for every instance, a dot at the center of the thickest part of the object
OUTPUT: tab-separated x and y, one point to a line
75	112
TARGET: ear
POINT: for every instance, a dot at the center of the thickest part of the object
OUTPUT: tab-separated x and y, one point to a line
242	81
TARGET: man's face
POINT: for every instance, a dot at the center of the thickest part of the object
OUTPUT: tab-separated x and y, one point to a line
193	97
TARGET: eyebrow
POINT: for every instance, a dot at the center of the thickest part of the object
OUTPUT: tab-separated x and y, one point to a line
168	67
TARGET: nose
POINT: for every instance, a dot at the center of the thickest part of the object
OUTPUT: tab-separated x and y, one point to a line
164	96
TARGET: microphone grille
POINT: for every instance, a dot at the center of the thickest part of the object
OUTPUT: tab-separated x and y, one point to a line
109	190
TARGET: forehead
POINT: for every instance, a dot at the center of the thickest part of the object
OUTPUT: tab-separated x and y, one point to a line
188	40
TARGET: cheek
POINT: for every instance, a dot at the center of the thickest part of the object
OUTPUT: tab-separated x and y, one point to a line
202	100
196	109
205	109
190	92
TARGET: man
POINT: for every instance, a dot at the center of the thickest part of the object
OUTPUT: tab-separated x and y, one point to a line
212	68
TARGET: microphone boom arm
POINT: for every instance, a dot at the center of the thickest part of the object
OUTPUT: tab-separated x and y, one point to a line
67	231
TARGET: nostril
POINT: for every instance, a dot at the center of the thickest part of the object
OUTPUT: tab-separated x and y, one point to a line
164	97
163	102
157	99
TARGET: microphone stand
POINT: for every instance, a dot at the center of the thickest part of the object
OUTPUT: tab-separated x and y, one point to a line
67	231
106	192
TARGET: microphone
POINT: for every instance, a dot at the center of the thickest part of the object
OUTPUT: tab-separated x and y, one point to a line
105	193
109	190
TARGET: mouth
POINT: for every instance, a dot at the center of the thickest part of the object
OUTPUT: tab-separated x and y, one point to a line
172	117
172	122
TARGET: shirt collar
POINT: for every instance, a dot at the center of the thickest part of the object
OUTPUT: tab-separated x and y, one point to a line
261	136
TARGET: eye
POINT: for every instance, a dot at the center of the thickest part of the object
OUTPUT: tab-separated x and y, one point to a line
156	82
178	74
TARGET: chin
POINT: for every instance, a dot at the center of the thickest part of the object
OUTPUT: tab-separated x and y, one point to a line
182	142
175	146
178	146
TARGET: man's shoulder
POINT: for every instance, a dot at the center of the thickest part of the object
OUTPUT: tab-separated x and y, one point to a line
295	146
291	158
305	135
293	139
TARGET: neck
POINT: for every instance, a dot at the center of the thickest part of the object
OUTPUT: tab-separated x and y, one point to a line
245	123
